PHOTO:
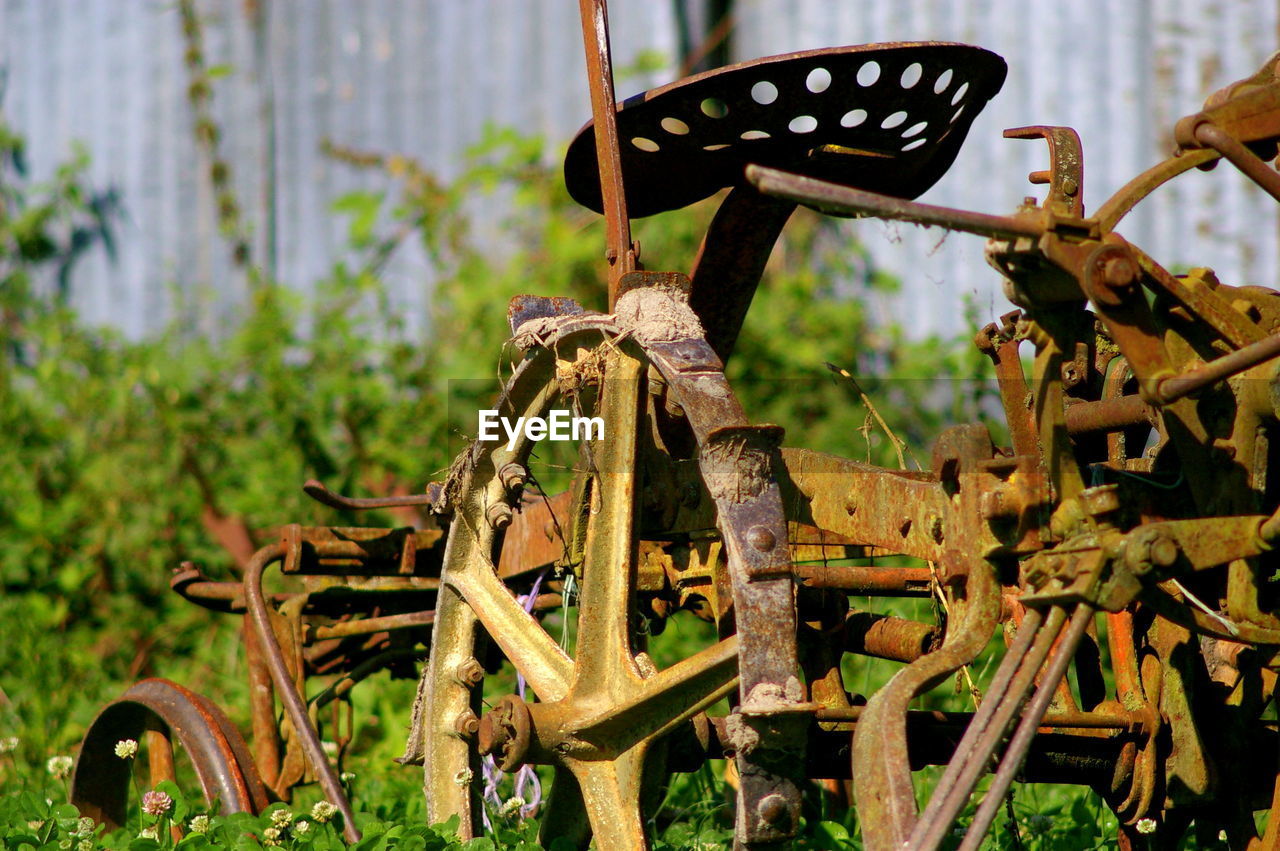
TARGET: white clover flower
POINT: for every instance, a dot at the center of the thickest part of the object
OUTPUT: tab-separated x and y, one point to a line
200	824
281	818
1222	836
127	748
9	744
1146	825
513	805
347	776
35	825
463	777
150	832
85	845
65	844
330	749
323	811
302	828
271	836
59	766
84	827
156	803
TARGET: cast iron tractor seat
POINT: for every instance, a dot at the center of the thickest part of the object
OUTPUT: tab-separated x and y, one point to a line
888	118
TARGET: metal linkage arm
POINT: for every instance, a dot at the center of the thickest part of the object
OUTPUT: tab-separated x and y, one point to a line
846	201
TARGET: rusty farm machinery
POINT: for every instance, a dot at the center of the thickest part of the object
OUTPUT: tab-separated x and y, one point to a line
1122	544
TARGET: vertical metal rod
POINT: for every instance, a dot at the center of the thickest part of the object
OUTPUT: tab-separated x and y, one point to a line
1008	689
595	38
1016	753
159	752
262	705
294	706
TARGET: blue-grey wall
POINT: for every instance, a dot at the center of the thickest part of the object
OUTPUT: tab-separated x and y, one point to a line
424	77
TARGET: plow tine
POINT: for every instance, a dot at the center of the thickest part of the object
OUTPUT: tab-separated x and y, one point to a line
1010	686
1011	762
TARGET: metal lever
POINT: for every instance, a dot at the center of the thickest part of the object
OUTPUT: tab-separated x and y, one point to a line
620	251
324	496
838	199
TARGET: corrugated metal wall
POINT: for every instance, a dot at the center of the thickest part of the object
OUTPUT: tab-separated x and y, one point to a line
424	77
419	77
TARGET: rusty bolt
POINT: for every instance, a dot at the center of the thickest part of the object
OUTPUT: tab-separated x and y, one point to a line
761	538
499	515
1070	187
773	808
1164	551
1157	548
1151	548
513	477
469	673
466	724
1119	272
1111	276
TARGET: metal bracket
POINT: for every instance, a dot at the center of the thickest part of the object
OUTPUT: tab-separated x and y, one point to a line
1065	175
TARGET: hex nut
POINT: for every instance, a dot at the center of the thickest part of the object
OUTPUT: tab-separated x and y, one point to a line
513	477
466	724
499	515
469	673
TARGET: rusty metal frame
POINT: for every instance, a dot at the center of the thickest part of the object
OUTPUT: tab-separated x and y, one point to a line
686	504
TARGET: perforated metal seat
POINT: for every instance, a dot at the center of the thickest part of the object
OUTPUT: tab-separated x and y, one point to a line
884	117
